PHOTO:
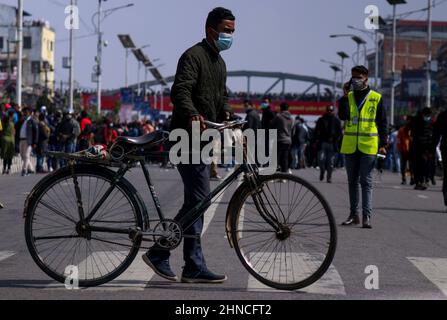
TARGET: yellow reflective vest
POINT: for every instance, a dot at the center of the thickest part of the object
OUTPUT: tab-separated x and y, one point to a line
361	131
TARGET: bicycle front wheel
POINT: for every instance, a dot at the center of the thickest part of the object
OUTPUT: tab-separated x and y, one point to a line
284	232
54	235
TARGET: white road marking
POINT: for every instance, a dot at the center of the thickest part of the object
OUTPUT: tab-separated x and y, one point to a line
330	284
135	278
211	212
422	196
434	269
6	254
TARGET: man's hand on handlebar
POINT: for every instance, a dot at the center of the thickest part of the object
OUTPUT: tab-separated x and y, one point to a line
199	119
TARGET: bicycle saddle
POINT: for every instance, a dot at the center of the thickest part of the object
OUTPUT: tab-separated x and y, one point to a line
153	139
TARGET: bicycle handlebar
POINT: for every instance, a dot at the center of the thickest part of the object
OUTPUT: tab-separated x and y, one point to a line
223	126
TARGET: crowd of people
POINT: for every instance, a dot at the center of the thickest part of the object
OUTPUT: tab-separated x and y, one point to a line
413	149
26	132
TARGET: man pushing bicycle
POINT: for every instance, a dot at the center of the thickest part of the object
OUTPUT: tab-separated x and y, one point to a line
198	94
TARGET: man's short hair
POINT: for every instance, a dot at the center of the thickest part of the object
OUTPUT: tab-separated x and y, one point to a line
218	15
361	69
284	106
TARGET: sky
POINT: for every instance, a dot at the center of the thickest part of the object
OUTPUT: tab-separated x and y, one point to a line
271	35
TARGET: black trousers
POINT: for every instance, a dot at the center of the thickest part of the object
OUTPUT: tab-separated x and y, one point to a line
284	153
421	166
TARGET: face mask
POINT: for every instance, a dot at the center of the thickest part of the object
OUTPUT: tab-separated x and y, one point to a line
224	42
265	105
427	119
358	84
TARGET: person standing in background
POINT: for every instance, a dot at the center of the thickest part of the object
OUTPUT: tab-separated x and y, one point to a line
422	136
29	133
283	123
7	141
267	116
365	136
327	134
42	142
403	147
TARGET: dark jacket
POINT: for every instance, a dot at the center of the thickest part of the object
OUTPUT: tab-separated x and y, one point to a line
344	114
68	130
253	120
300	135
199	87
440	132
328	129
32	132
283	123
422	134
267	116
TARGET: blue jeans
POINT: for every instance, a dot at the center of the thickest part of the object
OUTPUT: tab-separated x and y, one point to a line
68	147
359	167
196	180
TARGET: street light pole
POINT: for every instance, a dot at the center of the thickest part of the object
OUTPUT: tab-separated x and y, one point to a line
393	66
99	59
71	59
394	3
19	53
429	53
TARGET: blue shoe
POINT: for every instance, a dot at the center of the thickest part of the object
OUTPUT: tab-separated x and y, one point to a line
161	268
204	276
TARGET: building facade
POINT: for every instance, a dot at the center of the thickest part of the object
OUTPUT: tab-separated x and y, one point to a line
38	51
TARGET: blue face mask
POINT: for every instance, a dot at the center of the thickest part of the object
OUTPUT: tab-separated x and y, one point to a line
224	42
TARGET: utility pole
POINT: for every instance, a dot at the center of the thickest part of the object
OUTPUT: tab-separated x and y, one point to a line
19	53
429	53
71	59
99	59
393	67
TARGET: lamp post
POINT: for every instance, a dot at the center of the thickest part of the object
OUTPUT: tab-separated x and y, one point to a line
359	41
394	3
336	69
71	59
139	68
343	55
430	4
377	49
19	53
100	14
128	44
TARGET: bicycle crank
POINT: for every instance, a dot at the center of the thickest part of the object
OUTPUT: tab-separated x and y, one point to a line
168	234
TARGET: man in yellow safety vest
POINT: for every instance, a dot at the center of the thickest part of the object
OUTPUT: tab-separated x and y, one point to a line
365	137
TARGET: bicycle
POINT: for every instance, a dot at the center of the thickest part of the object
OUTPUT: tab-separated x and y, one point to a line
89	216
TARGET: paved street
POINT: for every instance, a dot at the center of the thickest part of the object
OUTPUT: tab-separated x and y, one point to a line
408	245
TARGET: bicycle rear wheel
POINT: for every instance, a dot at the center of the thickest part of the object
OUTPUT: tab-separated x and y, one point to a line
296	247
53	234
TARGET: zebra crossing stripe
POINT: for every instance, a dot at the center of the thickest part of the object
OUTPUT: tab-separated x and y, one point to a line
135	278
330	284
434	269
6	254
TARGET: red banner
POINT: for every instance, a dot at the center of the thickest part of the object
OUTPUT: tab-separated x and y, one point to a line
305	108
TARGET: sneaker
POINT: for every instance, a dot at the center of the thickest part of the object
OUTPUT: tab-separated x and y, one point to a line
161	268
205	276
24	173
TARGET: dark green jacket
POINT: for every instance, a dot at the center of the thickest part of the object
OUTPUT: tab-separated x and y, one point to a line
199	87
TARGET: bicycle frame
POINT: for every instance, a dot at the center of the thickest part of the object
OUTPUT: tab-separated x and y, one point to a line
187	221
